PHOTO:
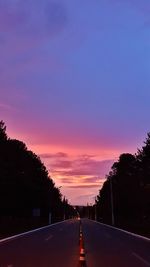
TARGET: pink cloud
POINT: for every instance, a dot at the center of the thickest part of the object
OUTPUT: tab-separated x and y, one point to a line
84	174
62	164
84	186
66	180
92	179
58	155
81	166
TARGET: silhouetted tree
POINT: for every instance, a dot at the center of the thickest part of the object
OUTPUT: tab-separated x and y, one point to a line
125	185
143	159
3	135
25	183
130	180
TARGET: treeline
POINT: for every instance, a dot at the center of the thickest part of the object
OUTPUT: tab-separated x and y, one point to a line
124	199
27	192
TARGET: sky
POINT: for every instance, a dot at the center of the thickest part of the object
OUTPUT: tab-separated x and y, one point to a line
75	84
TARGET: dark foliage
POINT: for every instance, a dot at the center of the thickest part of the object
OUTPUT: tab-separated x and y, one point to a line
130	181
25	184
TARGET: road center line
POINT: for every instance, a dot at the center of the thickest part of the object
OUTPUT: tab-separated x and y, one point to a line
49	237
141	259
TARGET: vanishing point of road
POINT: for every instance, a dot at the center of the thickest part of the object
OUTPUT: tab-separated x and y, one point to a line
58	246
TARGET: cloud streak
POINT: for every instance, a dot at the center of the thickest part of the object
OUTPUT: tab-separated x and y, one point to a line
82	171
84	186
83	175
58	155
81	166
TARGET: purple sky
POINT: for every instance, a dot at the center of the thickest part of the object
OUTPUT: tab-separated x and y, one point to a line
75	84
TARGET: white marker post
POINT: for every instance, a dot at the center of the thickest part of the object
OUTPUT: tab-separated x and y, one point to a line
50	218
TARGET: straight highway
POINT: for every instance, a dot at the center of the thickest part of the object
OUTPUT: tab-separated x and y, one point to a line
58	246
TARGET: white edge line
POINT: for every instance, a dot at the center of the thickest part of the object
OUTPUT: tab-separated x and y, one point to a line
121	230
29	232
141	259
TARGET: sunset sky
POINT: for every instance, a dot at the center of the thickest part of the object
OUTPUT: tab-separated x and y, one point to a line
75	84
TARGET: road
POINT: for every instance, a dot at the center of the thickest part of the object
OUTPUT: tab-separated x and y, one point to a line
108	247
55	246
58	246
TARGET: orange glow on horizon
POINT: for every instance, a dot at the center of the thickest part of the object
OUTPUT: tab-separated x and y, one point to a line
77	186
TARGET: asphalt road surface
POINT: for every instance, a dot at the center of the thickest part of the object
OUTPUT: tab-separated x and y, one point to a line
109	247
55	246
58	246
